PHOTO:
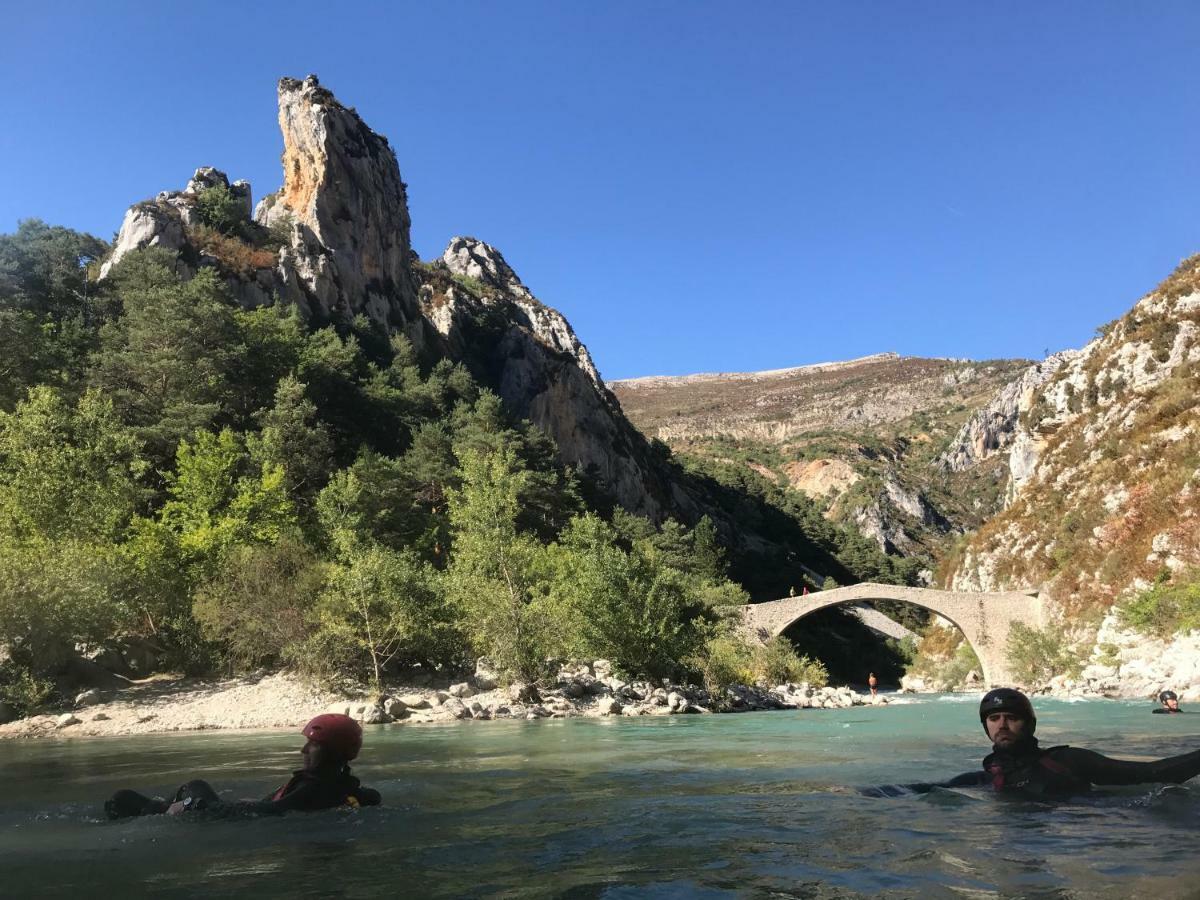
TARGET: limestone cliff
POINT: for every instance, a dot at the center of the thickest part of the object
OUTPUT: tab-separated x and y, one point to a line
334	241
485	316
1104	489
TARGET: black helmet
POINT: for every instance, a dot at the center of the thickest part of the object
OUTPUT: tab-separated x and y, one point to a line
1007	700
1167	695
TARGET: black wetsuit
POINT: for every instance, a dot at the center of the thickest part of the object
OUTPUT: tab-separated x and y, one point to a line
323	789
1168	712
1058	772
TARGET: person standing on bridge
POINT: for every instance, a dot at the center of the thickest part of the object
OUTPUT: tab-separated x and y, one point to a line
1018	765
873	684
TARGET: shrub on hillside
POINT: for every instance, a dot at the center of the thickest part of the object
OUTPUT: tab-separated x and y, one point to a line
235	255
1166	608
380	608
726	660
1038	654
219	209
22	690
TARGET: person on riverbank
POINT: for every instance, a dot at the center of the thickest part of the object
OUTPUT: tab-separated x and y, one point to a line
873	684
1018	765
324	781
1170	703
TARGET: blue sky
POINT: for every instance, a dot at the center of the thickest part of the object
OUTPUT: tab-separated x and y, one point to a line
696	186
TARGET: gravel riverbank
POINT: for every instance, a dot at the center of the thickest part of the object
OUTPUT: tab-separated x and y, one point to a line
283	700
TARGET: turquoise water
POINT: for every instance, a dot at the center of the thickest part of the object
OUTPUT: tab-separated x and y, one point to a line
756	805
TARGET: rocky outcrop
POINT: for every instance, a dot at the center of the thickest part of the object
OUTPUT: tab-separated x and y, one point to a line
342	213
485	316
821	477
996	427
1127	664
1104	493
347	206
334	241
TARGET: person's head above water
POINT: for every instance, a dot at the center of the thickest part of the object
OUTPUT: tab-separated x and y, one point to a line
1169	700
1007	717
333	740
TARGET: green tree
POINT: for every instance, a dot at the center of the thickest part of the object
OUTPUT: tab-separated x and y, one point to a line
631	607
55	595
381	607
491	577
167	361
259	604
67	471
219	209
217	500
295	441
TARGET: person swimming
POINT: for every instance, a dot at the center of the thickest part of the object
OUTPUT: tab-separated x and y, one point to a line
324	782
1018	765
1170	703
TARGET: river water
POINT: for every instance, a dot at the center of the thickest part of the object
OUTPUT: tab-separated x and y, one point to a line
754	805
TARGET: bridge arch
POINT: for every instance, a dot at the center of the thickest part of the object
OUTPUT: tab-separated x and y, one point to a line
985	618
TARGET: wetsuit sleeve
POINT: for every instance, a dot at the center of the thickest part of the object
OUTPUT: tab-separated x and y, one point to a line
967	779
1100	769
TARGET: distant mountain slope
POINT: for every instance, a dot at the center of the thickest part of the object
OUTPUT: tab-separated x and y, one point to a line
861	435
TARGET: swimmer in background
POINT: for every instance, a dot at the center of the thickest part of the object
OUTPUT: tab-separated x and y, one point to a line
1170	703
873	684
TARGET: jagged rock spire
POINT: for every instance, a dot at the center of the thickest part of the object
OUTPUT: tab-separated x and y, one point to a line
343	193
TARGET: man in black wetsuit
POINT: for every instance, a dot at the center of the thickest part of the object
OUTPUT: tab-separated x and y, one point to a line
1018	765
1170	703
333	740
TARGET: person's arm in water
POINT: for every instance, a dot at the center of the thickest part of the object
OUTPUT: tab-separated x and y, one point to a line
967	779
1100	769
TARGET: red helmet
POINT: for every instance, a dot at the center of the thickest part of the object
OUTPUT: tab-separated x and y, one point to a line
339	733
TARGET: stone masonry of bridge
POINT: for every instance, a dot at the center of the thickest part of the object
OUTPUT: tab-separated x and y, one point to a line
985	619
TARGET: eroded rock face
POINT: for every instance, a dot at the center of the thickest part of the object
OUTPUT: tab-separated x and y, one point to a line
532	357
821	477
348	206
996	427
1104	493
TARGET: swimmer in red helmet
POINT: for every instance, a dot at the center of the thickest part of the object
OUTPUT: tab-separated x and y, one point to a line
324	782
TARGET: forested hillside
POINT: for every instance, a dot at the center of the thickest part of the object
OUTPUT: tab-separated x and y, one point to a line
187	483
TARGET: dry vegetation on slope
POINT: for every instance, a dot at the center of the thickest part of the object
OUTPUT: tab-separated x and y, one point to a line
861	435
1111	504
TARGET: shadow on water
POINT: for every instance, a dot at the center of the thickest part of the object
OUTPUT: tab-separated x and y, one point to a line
762	805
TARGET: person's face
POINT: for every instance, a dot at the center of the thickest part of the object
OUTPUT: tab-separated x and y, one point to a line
314	756
1004	728
1172	704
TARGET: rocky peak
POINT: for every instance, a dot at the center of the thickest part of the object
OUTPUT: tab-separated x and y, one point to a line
473	258
164	221
343	195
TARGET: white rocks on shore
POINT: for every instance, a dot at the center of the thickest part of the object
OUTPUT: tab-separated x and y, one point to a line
1130	665
282	700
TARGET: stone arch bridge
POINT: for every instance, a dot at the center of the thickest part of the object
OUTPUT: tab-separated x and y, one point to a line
985	619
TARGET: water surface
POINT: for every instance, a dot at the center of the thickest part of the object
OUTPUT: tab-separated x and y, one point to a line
754	805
